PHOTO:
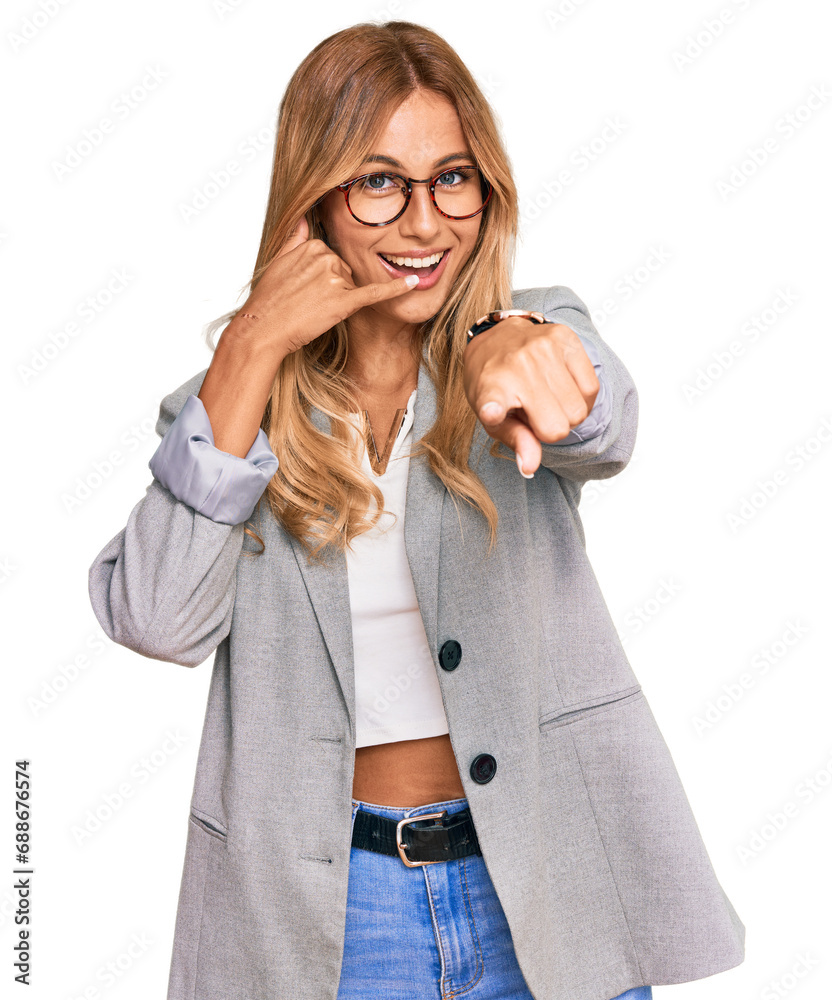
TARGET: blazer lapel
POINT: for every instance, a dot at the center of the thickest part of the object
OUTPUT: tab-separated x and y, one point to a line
423	513
327	583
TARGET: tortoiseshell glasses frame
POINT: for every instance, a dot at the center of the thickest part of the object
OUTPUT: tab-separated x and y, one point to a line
408	182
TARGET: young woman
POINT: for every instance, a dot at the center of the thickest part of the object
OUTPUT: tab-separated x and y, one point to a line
427	767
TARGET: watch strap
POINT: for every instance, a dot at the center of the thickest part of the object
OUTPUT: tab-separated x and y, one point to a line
492	318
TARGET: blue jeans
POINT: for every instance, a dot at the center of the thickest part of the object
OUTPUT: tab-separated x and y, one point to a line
428	933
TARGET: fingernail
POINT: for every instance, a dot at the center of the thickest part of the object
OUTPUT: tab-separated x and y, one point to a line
412	279
490	411
520	467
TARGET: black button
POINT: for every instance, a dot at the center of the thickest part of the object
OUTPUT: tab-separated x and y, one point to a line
483	768
450	654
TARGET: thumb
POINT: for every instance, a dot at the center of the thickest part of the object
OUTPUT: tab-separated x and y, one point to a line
300	234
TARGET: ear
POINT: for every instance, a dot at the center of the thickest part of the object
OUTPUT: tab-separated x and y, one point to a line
315	218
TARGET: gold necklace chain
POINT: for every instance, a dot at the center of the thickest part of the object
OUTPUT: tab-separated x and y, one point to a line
379	460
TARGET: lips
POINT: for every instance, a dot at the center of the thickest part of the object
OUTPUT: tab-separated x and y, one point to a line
428	276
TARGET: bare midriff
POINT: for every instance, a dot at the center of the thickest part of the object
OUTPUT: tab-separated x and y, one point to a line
407	773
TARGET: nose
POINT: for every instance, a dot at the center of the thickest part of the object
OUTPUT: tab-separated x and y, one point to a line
421	215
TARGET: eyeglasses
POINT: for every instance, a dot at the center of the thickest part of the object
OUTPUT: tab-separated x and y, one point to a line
381	198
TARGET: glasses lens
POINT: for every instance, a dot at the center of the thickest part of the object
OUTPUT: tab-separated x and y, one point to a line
380	197
377	197
461	191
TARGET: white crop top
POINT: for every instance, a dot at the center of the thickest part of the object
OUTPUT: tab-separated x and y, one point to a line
397	694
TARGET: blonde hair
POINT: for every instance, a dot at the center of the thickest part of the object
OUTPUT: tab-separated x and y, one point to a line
335	106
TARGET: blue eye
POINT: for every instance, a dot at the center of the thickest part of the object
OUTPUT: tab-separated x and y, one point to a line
374	182
448	173
463	176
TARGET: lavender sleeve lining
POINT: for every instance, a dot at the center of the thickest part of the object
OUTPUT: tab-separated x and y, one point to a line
217	484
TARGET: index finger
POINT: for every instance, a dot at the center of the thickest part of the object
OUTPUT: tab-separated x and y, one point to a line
380	291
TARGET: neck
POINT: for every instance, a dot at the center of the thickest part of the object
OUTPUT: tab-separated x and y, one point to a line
383	362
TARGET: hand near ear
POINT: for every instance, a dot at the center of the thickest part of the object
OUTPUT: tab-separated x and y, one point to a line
305	291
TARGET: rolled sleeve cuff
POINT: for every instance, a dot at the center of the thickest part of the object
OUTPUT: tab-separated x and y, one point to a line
598	418
217	484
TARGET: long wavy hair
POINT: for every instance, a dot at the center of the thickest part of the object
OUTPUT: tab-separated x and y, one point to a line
336	105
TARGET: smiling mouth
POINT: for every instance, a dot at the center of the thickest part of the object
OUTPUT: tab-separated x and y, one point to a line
405	269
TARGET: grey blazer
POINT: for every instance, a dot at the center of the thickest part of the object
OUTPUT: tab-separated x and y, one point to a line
585	828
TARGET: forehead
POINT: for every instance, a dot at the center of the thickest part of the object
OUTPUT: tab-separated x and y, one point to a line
423	130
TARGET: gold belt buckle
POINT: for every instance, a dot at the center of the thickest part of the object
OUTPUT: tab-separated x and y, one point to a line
401	845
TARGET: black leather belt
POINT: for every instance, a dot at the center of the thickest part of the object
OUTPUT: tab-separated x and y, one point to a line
418	840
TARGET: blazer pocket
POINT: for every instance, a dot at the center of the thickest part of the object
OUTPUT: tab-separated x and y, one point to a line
602	703
210	825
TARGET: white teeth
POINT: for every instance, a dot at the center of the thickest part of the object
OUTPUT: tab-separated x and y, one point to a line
414	261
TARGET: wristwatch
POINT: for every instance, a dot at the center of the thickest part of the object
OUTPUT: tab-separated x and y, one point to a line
492	318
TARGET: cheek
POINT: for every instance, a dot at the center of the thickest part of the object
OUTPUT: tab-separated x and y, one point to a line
342	245
340	239
466	250
358	256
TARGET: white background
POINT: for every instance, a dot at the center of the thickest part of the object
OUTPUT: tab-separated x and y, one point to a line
702	571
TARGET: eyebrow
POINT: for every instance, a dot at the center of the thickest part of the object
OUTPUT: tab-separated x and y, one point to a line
379	158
